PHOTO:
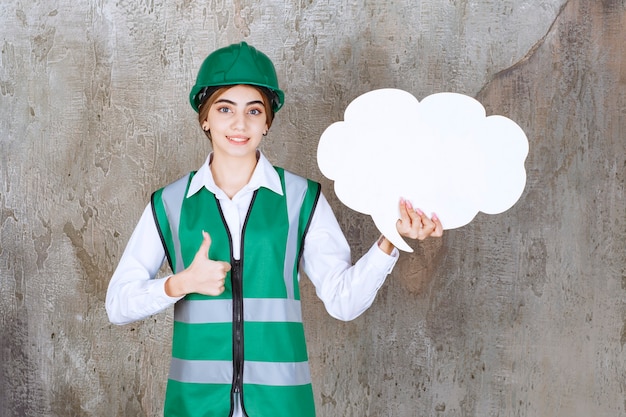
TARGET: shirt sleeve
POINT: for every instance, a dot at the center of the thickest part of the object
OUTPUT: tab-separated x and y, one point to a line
133	293
347	290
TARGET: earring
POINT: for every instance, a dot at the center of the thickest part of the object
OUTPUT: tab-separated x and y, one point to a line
265	133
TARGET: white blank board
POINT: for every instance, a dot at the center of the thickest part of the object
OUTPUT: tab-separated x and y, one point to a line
443	154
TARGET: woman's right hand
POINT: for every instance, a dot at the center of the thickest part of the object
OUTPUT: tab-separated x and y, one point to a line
414	224
203	276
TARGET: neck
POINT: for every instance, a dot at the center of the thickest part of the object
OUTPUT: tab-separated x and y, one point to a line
232	174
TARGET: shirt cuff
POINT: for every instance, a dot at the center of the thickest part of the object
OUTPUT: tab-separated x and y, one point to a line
159	295
381	260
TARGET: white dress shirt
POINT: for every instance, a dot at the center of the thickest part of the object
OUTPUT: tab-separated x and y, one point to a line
346	290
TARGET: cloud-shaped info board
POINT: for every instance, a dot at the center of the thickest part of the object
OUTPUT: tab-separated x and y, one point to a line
443	154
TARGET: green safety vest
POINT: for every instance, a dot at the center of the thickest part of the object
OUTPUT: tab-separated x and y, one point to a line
248	341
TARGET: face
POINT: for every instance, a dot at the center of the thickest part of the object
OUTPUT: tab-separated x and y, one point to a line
237	120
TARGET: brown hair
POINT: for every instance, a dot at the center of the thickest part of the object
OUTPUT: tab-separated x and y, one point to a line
205	106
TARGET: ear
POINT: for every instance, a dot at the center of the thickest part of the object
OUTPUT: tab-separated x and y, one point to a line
205	125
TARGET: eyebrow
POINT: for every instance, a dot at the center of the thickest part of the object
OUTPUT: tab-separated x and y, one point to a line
224	100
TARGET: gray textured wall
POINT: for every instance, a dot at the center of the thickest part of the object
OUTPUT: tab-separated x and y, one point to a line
518	314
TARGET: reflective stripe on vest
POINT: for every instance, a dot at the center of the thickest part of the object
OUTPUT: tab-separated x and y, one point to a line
171	198
275	363
221	372
256	309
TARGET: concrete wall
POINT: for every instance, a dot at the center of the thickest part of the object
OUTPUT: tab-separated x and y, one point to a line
517	314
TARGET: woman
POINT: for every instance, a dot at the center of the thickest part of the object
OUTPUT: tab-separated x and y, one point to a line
235	234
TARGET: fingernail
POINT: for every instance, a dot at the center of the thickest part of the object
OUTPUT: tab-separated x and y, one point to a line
420	212
434	217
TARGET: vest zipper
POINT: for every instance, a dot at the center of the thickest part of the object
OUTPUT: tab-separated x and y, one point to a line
237	328
237	288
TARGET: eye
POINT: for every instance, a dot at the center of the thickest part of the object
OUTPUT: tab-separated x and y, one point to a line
223	109
255	112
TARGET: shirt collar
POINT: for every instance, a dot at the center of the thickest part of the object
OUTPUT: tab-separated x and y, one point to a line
264	175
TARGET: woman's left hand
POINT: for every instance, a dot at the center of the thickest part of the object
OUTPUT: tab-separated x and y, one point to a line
414	224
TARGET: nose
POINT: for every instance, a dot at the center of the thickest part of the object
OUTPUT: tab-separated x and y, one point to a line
239	121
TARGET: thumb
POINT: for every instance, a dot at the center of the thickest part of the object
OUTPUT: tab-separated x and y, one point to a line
205	246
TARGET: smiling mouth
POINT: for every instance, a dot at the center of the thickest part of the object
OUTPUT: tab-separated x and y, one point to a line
237	139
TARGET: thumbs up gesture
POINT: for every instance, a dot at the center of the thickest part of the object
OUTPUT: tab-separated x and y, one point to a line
203	276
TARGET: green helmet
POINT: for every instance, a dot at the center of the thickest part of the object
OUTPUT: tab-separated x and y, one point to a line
236	64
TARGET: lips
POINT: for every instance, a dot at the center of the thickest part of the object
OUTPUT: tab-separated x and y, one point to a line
237	139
